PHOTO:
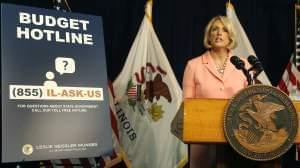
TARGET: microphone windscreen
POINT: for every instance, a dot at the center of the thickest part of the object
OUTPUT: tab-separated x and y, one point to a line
234	60
237	62
252	60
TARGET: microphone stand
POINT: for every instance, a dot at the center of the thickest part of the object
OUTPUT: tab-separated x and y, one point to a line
256	68
255	74
240	65
248	76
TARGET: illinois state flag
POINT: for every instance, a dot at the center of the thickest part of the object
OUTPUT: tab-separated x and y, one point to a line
148	96
244	47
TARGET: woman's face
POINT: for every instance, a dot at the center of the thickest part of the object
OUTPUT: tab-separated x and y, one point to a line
219	36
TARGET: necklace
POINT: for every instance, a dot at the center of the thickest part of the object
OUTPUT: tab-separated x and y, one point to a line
221	68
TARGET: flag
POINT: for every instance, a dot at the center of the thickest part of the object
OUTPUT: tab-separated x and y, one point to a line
290	81
101	161
93	162
148	96
244	47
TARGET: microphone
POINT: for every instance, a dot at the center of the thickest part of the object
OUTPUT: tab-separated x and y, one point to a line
256	65
237	62
240	65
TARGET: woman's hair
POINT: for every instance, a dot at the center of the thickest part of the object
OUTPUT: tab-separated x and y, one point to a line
231	32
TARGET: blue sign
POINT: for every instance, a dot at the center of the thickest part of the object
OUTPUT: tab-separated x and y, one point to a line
54	85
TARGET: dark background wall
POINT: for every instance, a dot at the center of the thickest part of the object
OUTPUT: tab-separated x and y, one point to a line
180	24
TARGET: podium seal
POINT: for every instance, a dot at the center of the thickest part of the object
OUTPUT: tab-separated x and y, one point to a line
260	123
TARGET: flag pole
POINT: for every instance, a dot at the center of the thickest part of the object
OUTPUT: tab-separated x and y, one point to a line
67	4
295	47
297	8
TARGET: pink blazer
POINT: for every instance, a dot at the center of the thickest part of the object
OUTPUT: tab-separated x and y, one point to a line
202	80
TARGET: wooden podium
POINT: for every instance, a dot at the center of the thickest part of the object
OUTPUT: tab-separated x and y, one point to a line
203	120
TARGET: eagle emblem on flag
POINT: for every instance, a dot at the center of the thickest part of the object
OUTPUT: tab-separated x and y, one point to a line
144	92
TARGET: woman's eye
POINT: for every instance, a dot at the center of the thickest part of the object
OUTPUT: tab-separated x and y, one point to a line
214	29
225	30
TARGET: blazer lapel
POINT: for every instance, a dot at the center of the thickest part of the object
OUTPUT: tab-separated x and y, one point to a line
208	62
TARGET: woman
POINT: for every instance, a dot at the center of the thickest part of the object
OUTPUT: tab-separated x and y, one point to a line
211	75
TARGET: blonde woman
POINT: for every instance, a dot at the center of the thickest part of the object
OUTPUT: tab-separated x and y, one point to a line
211	75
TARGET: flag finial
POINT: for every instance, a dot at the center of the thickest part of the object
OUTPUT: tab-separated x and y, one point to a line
61	5
229	5
148	9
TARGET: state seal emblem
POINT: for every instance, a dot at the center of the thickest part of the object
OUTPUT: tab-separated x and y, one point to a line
260	123
27	149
